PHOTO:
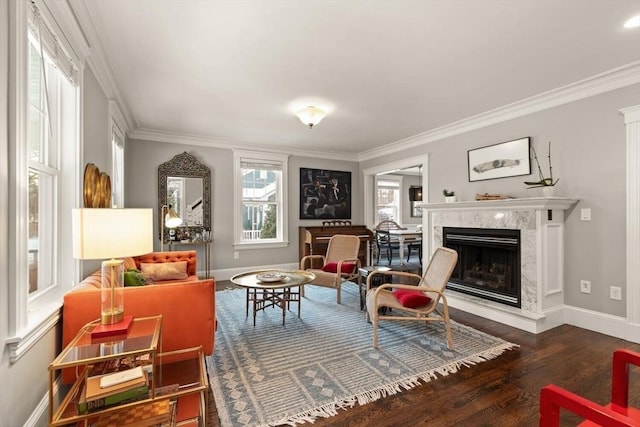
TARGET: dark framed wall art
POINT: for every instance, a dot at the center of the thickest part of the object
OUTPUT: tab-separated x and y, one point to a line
500	160
325	194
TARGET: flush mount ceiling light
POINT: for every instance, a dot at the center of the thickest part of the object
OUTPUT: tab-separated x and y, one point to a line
633	22
310	115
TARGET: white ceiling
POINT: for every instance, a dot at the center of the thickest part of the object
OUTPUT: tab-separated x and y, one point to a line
386	70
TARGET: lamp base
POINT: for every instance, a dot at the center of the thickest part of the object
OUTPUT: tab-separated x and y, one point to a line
111	316
119	328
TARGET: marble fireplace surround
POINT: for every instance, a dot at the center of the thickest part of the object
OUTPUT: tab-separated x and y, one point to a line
541	224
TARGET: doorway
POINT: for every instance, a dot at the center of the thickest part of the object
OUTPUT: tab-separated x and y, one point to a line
405	168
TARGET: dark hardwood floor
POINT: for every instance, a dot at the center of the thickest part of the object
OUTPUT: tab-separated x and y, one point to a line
500	392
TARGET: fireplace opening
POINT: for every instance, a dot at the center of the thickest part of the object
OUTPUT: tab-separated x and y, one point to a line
488	263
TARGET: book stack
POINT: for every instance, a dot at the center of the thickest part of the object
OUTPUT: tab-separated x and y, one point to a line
103	391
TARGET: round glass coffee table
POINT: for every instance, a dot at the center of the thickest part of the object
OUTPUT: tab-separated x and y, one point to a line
273	288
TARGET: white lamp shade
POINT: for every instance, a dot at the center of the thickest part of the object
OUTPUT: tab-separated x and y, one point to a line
112	233
310	116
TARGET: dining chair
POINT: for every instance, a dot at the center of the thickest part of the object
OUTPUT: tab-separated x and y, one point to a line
419	302
414	244
384	243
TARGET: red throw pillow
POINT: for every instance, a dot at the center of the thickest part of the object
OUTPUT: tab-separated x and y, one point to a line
411	299
332	267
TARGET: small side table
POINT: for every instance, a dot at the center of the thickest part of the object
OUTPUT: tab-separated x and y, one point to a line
375	281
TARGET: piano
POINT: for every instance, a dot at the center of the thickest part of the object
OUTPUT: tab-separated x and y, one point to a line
314	240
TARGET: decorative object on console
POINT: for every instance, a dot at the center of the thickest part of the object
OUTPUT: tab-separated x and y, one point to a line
311	115
500	160
111	233
546	184
170	220
449	196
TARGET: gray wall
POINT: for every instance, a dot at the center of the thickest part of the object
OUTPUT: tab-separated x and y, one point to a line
97	146
588	153
144	157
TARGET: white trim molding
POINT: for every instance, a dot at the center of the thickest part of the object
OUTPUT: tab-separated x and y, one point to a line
369	174
19	344
632	122
607	81
204	141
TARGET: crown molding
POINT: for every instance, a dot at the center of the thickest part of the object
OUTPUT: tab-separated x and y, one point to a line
203	141
607	81
97	58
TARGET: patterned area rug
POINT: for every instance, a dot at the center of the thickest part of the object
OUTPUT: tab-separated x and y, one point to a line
270	374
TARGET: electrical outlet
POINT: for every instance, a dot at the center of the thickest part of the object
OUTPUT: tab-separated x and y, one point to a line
615	292
236	255
585	214
585	286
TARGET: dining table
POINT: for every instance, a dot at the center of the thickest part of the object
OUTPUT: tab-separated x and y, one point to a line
405	236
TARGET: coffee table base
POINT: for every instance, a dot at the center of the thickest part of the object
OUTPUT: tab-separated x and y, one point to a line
264	298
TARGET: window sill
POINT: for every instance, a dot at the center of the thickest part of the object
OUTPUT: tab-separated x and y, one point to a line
41	320
259	245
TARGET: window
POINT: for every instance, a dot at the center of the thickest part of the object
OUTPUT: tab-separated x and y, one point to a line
261	202
45	87
45	168
388	199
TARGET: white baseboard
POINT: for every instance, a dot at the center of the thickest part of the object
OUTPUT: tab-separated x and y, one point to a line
607	324
40	415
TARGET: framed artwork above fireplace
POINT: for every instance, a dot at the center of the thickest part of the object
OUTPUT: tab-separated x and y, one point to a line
500	160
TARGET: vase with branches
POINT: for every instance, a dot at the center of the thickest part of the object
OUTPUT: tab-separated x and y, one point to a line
543	182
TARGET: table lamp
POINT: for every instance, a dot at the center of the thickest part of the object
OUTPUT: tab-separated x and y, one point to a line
169	220
110	234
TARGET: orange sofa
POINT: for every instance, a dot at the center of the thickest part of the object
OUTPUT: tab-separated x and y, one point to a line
187	306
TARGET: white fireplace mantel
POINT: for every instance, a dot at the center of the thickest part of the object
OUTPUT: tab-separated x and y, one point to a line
541	224
533	203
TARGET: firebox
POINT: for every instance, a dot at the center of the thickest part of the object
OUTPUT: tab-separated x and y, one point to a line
488	263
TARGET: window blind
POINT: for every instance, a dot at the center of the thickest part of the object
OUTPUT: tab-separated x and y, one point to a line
59	52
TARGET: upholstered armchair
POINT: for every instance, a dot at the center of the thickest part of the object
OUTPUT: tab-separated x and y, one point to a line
339	264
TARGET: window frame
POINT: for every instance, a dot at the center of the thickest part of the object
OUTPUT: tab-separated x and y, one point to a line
394	178
282	206
117	136
30	317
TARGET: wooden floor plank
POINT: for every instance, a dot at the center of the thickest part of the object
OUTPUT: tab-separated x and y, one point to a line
499	392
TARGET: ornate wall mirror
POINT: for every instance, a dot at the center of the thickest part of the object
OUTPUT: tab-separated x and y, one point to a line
185	184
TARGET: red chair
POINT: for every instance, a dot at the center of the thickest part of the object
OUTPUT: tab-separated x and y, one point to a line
618	413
